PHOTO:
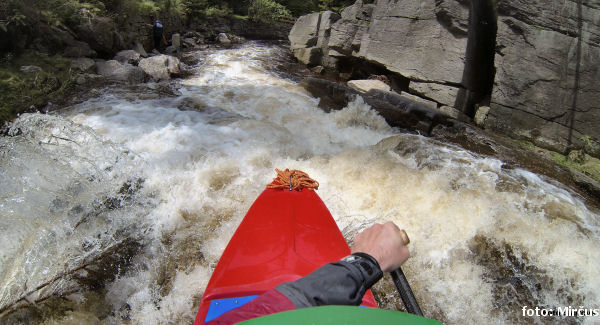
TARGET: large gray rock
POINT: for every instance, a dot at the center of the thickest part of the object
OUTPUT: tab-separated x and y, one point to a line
116	71
547	59
138	47
546	83
83	64
190	42
365	85
310	56
443	94
224	40
346	33
418	99
403	111
424	41
128	56
161	67
396	109
303	39
176	41
100	33
333	96
327	19
305	31
79	49
421	40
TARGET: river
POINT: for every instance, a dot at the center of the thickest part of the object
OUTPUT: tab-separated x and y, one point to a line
122	205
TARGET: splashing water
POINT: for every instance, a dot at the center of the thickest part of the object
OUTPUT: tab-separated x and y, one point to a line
183	170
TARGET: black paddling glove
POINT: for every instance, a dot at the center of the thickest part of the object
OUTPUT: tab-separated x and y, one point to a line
340	283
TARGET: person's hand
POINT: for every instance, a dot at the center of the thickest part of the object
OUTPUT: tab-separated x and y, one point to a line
385	243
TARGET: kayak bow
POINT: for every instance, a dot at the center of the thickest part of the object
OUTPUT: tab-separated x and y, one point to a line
287	234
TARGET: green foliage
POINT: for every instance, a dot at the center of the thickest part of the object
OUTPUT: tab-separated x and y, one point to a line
589	166
147	7
211	8
587	140
69	12
337	5
218	11
267	11
171	6
299	8
16	19
21	92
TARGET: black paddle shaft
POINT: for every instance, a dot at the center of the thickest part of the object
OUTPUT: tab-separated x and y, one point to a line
408	298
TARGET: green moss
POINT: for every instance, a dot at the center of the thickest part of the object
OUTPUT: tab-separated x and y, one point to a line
589	166
23	92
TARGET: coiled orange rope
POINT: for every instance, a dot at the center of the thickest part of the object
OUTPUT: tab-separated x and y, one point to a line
293	180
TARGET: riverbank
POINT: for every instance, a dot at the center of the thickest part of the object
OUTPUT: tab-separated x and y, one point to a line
36	49
31	81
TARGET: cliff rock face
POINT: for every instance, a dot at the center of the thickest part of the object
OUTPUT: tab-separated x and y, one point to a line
548	68
346	34
535	63
421	40
304	36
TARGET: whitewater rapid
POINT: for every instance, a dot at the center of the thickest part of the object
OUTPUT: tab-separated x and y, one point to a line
184	167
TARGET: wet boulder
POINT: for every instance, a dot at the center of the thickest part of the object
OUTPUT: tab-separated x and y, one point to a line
224	40
305	31
441	93
128	56
79	49
309	37
399	110
403	111
227	39
100	33
365	85
83	64
176	41
192	39
189	42
116	71
346	33
332	95
161	67
138	47
310	56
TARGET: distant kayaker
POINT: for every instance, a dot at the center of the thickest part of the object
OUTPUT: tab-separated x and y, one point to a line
157	34
378	249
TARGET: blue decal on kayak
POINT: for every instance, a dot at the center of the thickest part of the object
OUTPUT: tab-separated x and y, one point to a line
219	307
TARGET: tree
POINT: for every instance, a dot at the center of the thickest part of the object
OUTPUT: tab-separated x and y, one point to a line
267	11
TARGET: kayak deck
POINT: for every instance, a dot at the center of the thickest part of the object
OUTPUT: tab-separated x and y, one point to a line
284	236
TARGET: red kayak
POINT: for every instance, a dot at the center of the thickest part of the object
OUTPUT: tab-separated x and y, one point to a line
286	234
